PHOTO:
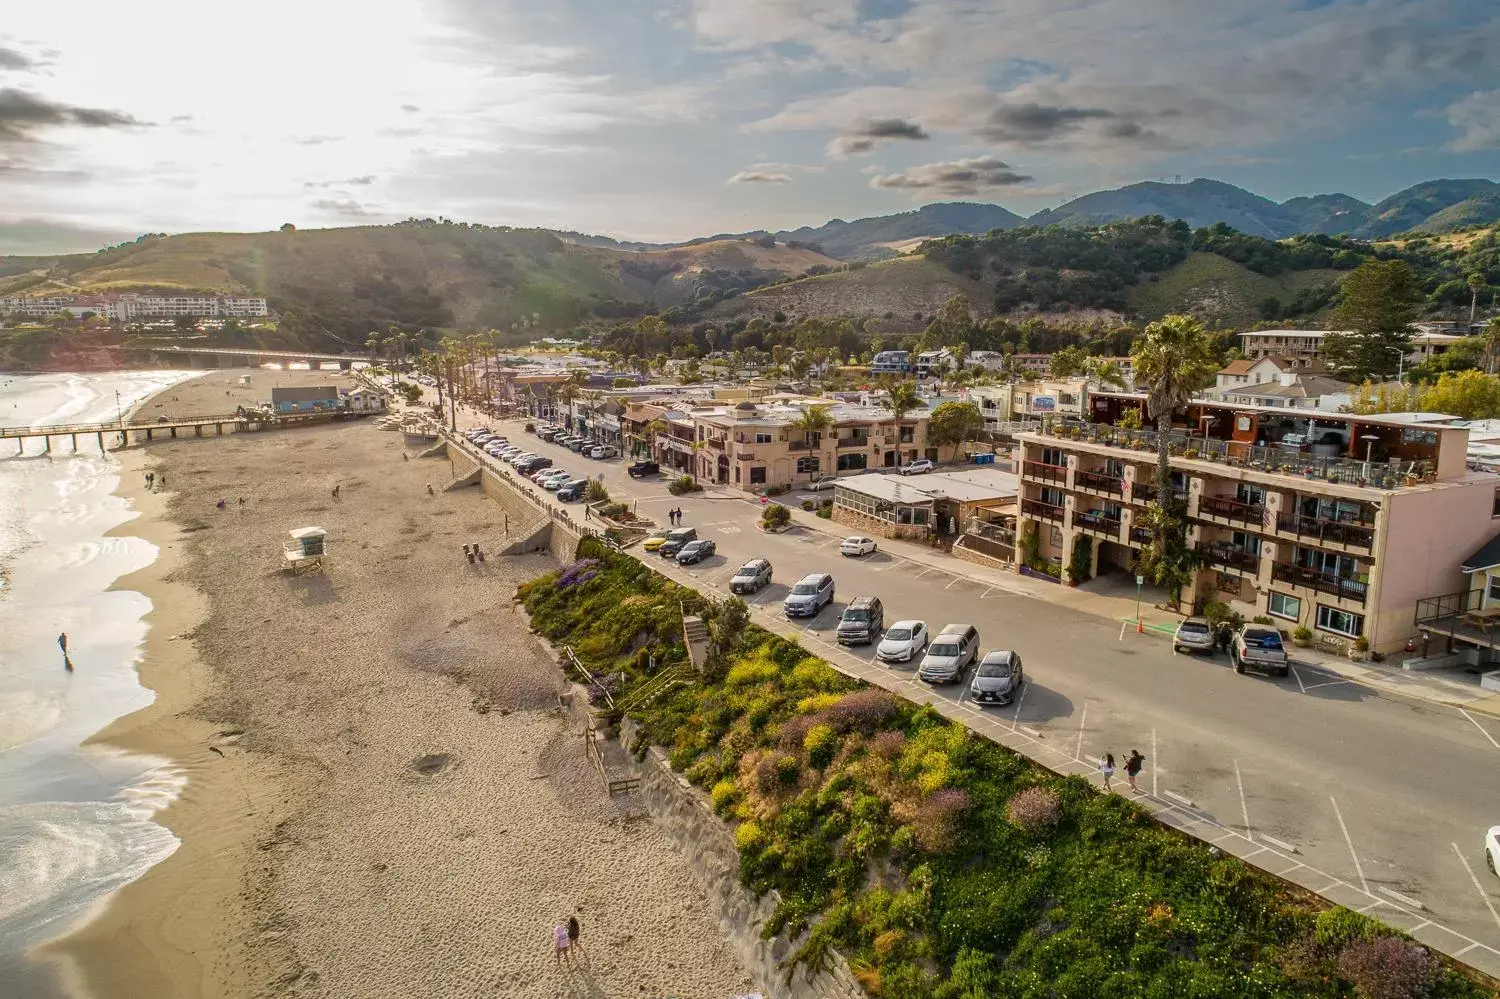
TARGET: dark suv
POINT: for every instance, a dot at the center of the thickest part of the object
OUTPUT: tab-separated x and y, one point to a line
863	621
676	541
640	468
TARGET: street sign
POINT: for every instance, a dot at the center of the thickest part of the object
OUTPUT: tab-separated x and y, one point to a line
1140	580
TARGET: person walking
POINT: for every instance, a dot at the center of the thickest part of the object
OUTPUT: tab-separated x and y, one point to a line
560	941
335	492
62	643
574	943
1107	768
1133	767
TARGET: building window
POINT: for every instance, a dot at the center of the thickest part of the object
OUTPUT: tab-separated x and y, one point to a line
1228	582
762	438
1340	622
852	462
1281	605
807	465
1495	508
758	475
1056	537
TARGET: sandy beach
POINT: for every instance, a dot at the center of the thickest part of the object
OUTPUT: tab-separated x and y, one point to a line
383	798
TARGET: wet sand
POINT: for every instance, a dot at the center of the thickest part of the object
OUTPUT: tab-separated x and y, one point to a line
383	798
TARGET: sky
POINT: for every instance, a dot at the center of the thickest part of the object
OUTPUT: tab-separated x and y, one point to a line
668	119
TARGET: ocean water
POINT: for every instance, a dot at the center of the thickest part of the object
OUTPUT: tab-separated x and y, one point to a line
75	821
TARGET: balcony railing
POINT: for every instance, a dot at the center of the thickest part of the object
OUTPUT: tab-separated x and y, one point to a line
1097	520
1327	531
1228	508
1139	536
1268	458
1323	582
998	533
717	443
855	441
1100	481
1234	557
1046	511
1145	492
1051	473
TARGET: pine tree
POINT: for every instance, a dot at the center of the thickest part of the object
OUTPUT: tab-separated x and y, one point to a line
1380	299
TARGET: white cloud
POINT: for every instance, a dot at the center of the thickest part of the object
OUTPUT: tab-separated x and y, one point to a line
759	177
1477	117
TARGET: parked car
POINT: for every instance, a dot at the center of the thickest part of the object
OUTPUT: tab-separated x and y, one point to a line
1194	635
677	540
1492	849
640	468
917	467
695	551
856	545
862	621
655	540
808	596
604	451
572	490
481	439
552	483
534	464
950	654
826	482
902	642
998	678
578	444
1258	647
751	577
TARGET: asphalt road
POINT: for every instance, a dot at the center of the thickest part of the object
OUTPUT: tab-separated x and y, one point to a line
1375	793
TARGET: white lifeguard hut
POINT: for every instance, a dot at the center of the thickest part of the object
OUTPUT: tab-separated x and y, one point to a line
306	551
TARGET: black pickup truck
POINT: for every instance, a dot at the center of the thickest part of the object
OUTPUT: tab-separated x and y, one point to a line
640	468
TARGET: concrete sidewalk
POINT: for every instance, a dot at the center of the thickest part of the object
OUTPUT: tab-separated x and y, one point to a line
1312	667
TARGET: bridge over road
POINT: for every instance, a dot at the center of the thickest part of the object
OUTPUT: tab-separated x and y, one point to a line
242	357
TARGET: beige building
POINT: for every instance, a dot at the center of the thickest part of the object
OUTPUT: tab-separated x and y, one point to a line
1032	400
752	446
942	503
1339	523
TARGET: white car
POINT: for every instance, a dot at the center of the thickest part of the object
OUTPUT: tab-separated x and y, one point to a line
903	642
1492	849
826	482
603	451
917	467
543	474
856	545
553	483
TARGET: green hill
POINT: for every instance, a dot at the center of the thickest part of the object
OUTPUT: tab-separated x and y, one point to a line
346	282
1223	292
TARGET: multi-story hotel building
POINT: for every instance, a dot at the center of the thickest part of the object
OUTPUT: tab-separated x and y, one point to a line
1336	522
127	307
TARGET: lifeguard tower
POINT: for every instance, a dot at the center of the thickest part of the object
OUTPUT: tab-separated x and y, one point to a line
306	551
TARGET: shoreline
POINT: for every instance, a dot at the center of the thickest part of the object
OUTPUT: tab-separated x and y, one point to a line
142	939
382	795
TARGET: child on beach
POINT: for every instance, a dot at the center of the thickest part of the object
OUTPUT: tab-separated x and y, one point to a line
560	942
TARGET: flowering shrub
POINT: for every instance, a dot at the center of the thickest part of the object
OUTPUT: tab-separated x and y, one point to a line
723	795
937	818
1035	809
1387	968
817	703
819	744
578	573
775	516
865	710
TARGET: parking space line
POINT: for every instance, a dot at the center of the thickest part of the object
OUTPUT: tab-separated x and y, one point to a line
1357	868
1155	763
929	569
1483	895
988	590
1481	728
1082	720
1016	719
956	581
1244	808
1300	685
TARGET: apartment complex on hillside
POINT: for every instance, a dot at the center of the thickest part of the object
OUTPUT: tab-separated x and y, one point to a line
122	308
1336	522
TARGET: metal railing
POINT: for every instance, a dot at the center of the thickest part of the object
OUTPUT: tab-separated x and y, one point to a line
1267	458
1228	508
1041	470
1337	532
1046	511
1218	553
1448	607
1097	520
1323	582
1100	481
992	532
1139	536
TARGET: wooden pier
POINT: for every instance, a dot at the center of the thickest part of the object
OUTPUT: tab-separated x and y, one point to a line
116	435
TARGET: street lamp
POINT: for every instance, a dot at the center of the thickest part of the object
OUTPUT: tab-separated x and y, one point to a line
1400	362
119	410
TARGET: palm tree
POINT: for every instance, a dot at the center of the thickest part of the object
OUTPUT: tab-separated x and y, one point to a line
1105	372
1491	343
814	422
901	398
1172	359
1476	285
654	429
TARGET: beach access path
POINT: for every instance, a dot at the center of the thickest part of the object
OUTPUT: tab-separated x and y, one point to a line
383	797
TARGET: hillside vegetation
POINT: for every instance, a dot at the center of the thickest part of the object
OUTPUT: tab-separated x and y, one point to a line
421	274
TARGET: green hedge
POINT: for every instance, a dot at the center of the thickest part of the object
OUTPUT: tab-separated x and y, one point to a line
883	826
